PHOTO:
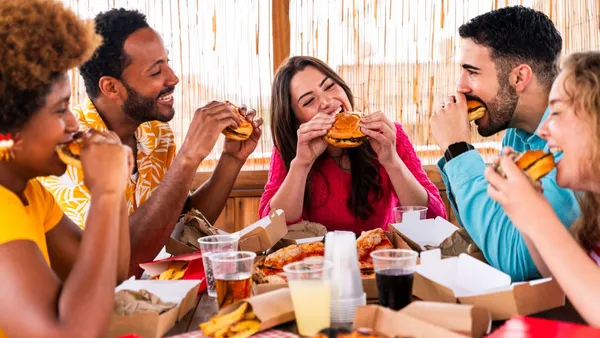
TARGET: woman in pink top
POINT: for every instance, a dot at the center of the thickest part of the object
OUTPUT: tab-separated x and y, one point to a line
574	128
352	189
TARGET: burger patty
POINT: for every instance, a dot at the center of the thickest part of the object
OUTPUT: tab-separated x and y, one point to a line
352	139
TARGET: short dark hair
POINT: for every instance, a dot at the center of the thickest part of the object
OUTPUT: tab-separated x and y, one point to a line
115	26
516	35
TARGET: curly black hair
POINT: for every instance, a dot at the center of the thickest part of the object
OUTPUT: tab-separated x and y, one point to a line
40	40
115	26
516	35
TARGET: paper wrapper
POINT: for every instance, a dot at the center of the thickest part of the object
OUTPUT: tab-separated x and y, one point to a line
424	319
459	242
194	227
129	302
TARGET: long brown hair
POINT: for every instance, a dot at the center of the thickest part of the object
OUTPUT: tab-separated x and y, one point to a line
284	126
582	86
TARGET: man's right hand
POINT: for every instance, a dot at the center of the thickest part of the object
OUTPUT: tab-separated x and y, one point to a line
106	163
207	124
311	143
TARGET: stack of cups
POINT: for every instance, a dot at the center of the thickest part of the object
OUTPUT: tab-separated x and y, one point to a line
346	283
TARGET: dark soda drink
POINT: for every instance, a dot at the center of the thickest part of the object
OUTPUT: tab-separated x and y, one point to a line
394	287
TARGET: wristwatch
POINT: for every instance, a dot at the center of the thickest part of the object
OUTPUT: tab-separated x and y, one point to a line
456	149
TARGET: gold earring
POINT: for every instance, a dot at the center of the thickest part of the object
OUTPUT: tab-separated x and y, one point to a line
7	142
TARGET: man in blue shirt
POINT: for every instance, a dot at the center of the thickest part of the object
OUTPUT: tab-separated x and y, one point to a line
509	61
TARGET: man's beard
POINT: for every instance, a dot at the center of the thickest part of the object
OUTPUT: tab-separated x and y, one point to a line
500	110
142	108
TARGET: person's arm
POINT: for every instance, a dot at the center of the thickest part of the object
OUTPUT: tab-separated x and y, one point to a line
412	178
153	221
82	305
211	197
536	257
486	222
577	274
64	242
290	195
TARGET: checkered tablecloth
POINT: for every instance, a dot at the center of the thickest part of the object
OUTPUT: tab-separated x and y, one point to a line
264	334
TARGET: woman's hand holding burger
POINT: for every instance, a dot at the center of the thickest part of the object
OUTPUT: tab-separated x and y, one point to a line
382	137
311	143
516	192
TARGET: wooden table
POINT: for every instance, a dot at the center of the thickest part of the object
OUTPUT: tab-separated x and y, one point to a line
207	307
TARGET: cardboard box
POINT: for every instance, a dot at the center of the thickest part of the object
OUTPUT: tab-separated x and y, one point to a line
152	324
369	283
272	308
425	319
432	231
194	271
466	280
257	237
300	233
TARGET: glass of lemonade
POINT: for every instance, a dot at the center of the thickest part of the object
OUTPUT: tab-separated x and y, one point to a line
233	275
210	245
310	287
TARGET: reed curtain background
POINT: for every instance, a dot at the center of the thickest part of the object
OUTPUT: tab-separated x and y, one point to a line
399	56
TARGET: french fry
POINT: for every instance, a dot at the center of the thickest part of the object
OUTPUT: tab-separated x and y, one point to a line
245	334
216	324
222	332
249	315
175	271
245	325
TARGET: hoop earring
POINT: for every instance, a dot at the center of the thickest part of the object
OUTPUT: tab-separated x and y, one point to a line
7	142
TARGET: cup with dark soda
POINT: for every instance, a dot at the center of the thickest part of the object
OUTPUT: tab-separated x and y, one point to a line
394	274
233	275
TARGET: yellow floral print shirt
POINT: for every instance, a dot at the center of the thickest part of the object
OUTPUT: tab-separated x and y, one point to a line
155	152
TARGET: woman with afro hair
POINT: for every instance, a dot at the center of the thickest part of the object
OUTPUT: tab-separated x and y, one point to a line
56	281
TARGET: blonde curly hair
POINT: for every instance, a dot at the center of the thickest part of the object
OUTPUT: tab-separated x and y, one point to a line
582	86
40	40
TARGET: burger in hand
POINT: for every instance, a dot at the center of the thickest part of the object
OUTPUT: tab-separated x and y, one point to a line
69	152
345	132
243	131
535	163
476	108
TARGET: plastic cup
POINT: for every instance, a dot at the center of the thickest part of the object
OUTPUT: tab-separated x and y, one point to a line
409	213
210	245
394	274
233	275
310	287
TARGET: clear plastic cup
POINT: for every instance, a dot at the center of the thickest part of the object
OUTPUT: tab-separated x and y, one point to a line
394	274
409	213
210	245
310	287
233	275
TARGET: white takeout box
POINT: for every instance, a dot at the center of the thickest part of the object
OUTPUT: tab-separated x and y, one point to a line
431	231
467	280
153	324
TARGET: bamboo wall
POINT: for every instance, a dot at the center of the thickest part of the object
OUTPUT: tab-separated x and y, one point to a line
398	55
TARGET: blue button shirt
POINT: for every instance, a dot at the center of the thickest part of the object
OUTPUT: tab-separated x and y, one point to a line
484	219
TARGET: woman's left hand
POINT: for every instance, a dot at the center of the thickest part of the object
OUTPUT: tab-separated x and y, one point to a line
382	136
522	202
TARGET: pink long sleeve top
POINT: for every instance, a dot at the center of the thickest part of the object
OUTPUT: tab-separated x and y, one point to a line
328	206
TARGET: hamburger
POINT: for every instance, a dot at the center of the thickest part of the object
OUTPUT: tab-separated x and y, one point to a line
476	110
69	152
345	132
243	131
535	163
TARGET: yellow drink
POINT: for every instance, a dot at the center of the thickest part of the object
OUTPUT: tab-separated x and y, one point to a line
311	299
